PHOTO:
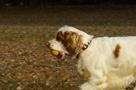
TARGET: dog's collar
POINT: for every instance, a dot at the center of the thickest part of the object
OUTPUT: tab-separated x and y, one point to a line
85	46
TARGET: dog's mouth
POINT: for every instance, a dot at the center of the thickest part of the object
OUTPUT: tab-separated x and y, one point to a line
58	54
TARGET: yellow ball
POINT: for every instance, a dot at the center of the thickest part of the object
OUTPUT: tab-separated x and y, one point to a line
54	52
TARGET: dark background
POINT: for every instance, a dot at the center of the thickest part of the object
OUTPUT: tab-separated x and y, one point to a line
62	2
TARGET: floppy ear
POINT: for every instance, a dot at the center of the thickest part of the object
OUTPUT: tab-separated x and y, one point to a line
73	43
60	37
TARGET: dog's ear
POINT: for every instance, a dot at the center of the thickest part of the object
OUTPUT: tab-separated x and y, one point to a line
73	43
60	36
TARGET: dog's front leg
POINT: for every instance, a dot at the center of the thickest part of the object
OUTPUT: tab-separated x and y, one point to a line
89	86
86	86
96	81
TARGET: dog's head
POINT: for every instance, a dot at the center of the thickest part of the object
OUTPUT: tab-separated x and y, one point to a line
68	41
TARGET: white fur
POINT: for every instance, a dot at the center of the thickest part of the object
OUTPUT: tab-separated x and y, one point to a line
106	72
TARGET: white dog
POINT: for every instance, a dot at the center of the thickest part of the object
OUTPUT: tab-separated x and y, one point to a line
109	63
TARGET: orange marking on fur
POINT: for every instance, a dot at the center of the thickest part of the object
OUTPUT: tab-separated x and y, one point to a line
117	51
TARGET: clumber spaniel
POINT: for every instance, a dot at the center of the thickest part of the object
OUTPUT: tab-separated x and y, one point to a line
108	63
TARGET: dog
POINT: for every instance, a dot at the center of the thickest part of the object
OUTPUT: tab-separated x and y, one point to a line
108	63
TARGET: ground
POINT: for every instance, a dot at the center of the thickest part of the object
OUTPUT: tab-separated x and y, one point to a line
25	61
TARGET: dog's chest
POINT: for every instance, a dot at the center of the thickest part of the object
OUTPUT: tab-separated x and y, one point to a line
81	68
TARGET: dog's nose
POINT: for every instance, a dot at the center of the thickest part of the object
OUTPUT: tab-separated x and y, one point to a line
47	44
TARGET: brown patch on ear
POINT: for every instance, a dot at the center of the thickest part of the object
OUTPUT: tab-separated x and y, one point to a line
73	43
117	51
60	36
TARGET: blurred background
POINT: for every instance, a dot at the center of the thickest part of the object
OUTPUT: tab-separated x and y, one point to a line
26	25
70	2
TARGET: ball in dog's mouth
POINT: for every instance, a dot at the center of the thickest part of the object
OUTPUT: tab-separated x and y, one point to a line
57	54
54	52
